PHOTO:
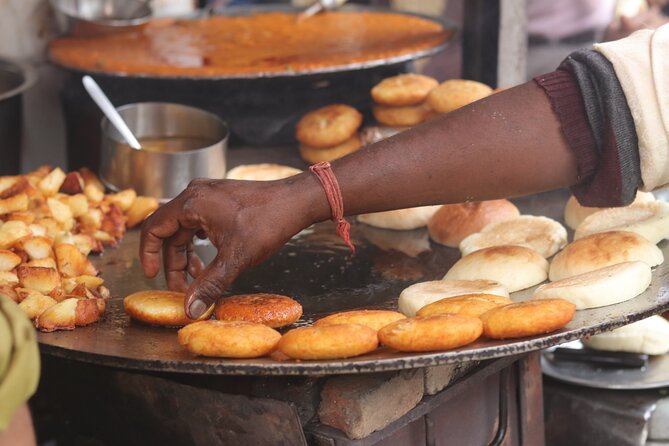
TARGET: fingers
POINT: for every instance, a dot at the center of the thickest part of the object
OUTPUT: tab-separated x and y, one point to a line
195	264
158	227
210	285
176	258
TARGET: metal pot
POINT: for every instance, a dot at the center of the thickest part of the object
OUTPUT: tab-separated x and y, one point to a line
85	18
158	173
15	78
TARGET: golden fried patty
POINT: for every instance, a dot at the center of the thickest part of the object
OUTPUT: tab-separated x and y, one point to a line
229	339
156	307
456	93
469	305
273	310
403	90
404	116
375	319
328	341
328	126
529	318
316	155
431	333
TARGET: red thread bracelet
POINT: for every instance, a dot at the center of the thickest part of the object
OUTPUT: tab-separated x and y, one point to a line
326	176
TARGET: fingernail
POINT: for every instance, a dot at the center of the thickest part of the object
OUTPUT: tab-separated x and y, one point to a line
197	309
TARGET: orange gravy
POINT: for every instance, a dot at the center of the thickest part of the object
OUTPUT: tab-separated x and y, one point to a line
254	44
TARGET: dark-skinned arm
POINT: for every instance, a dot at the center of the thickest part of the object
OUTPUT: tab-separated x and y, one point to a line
506	145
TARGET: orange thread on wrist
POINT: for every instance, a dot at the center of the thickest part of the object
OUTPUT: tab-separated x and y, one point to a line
326	176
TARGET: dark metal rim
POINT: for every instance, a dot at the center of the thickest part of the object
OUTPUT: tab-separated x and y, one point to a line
447	24
214	367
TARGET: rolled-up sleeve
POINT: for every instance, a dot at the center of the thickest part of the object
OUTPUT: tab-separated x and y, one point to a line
19	360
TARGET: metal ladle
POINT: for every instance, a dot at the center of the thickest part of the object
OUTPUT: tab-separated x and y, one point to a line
110	112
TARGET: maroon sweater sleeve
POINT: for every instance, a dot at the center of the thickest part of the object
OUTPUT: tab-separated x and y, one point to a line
566	100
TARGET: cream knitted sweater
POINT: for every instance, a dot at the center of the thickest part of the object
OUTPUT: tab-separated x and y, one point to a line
641	63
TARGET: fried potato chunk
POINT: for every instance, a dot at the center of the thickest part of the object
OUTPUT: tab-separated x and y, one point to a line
8	260
50	184
67	314
39	279
16	203
36	247
35	304
141	208
72	263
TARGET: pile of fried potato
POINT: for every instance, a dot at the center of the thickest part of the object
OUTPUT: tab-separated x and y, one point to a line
50	222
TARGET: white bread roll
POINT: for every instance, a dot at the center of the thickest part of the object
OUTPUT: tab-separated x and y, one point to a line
420	294
574	213
649	220
601	287
544	235
598	251
400	219
261	172
649	336
453	222
515	267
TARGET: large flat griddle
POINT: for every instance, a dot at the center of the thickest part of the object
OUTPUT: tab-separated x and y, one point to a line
316	269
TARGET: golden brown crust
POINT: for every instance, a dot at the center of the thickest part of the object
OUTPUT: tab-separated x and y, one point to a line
315	155
156	307
328	126
431	333
273	310
229	339
473	305
401	116
528	318
37	278
456	93
328	341
600	250
403	90
374	319
453	222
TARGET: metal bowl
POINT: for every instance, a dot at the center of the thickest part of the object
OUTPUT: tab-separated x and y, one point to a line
86	18
15	79
157	173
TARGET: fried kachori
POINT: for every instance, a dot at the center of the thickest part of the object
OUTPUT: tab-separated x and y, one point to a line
529	318
329	341
315	155
473	305
328	126
273	310
403	90
455	93
229	339
431	333
157	307
375	319
404	116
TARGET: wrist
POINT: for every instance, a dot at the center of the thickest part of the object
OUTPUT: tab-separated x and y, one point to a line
306	193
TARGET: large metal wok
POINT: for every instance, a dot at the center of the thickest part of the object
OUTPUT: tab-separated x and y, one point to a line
316	269
260	109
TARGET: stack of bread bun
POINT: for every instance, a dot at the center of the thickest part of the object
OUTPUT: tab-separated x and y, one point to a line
400	101
329	133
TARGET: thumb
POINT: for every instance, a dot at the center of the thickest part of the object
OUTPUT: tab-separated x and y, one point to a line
209	286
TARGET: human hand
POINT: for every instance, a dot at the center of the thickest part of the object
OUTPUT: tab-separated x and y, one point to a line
246	221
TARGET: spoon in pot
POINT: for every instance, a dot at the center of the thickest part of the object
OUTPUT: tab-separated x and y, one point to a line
110	112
